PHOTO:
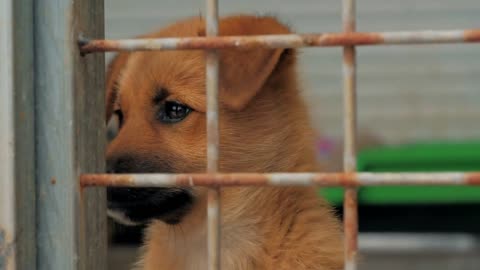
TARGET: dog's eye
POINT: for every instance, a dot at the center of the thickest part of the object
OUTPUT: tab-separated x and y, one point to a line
114	124
119	115
173	112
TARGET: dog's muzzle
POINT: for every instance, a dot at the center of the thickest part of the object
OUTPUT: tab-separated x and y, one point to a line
137	206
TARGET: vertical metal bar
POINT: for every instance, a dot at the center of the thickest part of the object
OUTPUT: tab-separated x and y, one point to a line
17	191
90	139
70	136
7	135
349	164
24	134
213	204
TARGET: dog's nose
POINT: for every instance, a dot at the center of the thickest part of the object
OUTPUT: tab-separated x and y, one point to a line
131	163
121	164
110	166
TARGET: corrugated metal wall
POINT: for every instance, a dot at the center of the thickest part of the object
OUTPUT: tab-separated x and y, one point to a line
405	92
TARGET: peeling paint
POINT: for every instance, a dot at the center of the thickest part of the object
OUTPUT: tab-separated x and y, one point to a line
7	248
345	179
281	41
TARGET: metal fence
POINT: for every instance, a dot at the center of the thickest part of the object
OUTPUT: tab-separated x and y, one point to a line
62	233
348	39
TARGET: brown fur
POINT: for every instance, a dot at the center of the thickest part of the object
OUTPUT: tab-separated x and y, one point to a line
264	127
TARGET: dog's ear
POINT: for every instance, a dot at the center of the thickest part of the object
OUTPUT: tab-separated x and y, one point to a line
243	72
113	73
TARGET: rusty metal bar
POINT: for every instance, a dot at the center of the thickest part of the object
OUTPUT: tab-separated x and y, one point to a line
350	203
283	41
281	179
213	196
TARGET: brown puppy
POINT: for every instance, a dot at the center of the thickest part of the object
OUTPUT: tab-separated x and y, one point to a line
158	101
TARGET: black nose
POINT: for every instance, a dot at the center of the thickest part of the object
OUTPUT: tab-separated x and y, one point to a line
110	168
138	164
122	164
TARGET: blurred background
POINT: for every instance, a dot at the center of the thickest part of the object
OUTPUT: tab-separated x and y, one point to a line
419	110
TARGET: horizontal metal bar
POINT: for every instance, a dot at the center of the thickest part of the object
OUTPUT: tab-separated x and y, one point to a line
280	179
281	41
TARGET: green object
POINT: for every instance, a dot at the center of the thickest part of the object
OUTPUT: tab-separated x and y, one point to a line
420	157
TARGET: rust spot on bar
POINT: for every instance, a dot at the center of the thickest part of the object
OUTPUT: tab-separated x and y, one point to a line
311	40
99	45
351	223
105	180
349	179
472	35
337	179
202	42
247	179
351	39
473	178
53	181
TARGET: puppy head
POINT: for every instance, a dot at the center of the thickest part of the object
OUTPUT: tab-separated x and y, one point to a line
157	100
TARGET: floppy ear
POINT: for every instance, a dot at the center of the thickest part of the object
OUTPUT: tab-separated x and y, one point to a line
113	73
243	72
